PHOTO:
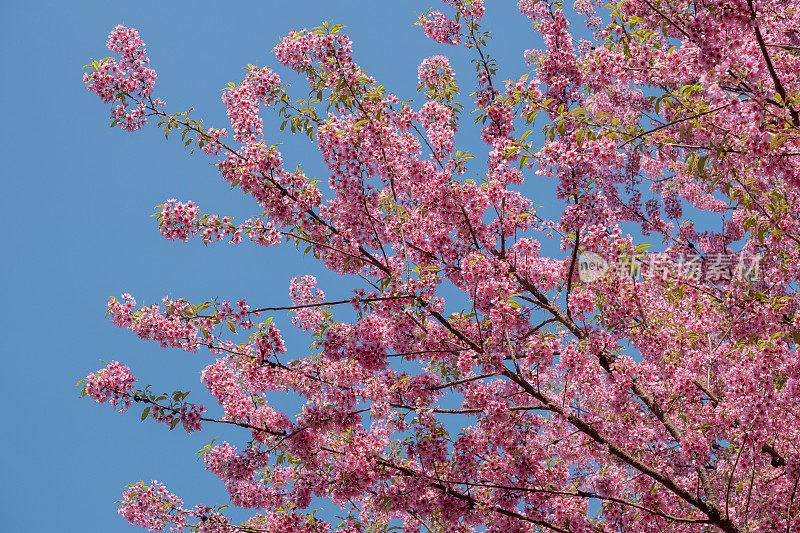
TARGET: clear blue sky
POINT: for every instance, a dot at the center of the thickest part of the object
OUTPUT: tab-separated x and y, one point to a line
77	198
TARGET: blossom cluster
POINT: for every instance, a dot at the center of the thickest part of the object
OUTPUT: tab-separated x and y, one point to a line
440	28
166	326
305	295
126	79
435	73
178	220
111	384
181	221
243	101
153	507
188	414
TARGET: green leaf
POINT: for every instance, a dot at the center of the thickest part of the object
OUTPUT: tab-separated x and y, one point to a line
701	163
145	412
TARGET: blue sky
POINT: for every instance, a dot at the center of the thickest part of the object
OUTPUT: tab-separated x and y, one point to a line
77	199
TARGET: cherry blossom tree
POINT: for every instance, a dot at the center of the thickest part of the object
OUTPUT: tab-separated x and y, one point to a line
608	388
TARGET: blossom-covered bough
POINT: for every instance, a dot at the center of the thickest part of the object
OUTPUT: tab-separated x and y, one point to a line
665	399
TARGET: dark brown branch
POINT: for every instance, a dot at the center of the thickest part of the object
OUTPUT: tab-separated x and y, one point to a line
462	381
572	269
337	302
771	68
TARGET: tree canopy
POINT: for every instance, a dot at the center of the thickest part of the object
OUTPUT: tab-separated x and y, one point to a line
473	381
